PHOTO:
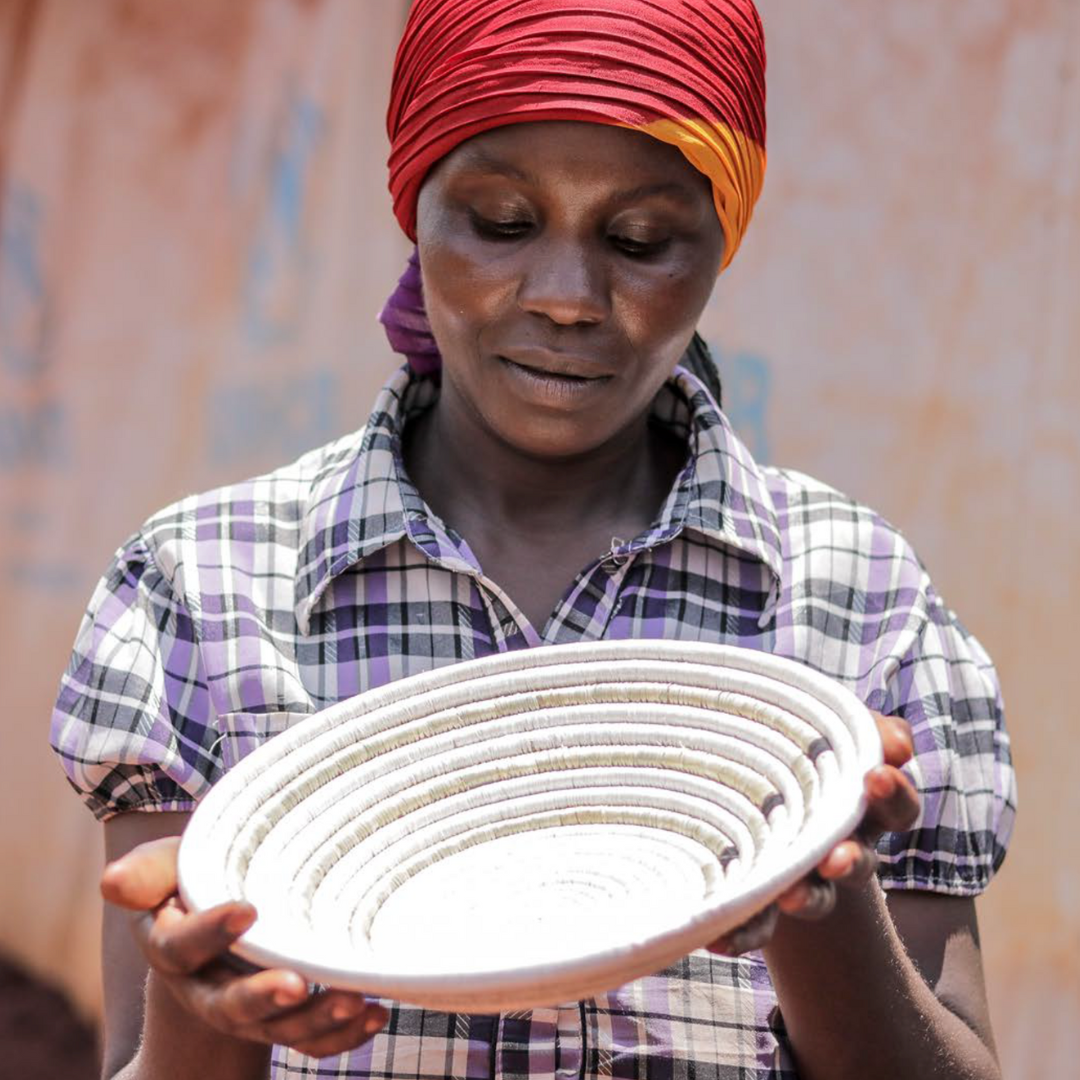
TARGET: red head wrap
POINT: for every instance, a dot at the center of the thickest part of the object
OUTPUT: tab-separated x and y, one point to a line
687	72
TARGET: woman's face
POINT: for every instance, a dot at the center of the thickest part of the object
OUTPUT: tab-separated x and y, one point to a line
565	268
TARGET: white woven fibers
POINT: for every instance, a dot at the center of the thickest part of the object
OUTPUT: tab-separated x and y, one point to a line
532	827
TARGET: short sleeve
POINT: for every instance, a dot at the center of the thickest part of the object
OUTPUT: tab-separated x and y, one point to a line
947	690
133	723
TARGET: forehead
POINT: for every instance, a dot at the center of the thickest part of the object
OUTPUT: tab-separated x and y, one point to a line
559	152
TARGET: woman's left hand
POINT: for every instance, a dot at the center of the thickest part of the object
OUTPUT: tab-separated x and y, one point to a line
893	805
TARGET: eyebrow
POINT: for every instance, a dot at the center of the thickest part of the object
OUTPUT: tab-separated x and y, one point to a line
644	191
484	162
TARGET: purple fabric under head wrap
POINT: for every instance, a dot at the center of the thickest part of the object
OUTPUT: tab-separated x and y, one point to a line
406	322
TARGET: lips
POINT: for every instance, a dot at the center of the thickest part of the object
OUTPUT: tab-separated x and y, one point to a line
544	363
554	381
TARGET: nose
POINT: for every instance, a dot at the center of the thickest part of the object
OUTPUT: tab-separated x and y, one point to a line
565	282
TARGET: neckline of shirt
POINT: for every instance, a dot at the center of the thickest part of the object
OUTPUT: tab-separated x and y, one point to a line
367	501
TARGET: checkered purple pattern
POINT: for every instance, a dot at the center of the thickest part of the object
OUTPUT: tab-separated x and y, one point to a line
234	613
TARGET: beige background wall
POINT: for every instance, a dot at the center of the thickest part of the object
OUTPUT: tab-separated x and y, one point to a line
195	238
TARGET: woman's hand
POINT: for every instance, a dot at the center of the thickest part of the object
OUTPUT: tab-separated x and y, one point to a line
189	953
892	806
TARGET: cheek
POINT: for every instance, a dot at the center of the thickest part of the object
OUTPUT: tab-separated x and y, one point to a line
660	311
465	290
462	293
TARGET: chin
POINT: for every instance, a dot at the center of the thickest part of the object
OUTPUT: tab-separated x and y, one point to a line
553	441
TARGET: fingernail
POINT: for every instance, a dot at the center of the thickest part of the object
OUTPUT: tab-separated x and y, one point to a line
375	1022
881	783
292	993
345	1010
240	920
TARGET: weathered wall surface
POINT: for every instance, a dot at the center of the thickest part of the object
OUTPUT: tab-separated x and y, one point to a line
908	306
195	237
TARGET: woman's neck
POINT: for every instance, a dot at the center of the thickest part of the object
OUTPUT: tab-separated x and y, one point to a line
469	476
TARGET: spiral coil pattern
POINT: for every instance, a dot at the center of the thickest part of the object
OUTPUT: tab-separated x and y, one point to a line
533	827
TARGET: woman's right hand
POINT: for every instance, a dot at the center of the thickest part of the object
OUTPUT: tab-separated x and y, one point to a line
190	954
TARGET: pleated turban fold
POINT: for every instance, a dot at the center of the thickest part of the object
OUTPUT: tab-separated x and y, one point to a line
690	73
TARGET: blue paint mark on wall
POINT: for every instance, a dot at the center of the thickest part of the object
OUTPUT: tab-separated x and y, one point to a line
747	383
59	578
25	518
33	427
272	422
278	262
24	306
34	435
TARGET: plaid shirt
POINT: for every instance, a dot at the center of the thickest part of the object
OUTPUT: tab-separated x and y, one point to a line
232	614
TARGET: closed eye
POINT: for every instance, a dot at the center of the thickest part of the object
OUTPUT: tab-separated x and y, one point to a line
507	229
640	249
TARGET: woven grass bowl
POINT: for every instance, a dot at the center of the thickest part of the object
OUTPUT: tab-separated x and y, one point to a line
535	827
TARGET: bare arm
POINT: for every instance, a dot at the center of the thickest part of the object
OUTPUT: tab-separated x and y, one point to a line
885	987
147	1032
173	1009
869	985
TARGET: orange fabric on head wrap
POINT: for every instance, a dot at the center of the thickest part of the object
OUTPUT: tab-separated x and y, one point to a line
688	72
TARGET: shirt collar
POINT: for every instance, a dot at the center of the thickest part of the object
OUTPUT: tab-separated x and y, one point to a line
728	498
362	501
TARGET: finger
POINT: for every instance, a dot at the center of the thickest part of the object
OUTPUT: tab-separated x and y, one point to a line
143	878
754	934
810	898
324	1014
177	942
896	742
244	1001
893	802
347	1037
841	861
849	863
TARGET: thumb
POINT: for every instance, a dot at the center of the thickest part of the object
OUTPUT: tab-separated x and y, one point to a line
143	878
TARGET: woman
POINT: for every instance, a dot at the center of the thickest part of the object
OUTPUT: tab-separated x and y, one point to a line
551	466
